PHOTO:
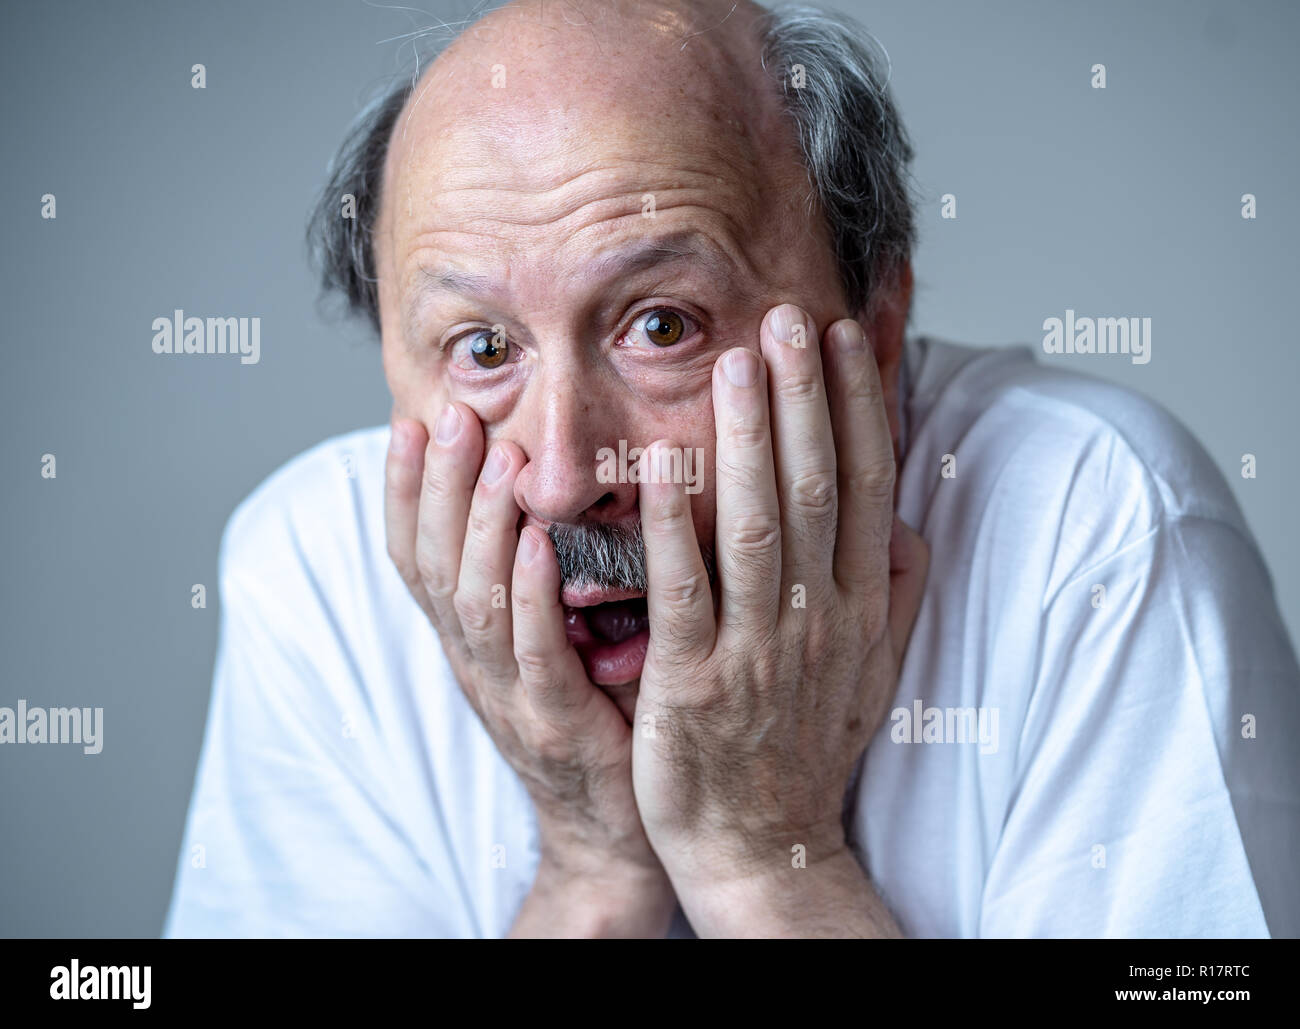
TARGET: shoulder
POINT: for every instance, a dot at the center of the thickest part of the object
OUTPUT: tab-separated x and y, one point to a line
322	506
1083	465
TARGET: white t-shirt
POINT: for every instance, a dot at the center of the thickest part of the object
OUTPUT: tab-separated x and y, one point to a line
1110	696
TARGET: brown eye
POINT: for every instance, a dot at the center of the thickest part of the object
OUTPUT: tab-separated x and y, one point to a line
489	350
664	328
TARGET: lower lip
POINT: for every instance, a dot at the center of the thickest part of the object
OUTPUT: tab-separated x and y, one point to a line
612	664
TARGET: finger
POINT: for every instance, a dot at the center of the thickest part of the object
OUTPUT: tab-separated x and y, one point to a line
487	563
865	456
550	670
909	563
451	465
749	516
679	600
403	473
803	447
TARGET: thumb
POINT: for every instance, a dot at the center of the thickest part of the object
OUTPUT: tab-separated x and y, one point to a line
909	562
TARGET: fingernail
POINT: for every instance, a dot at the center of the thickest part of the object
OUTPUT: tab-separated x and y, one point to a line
495	467
448	427
850	336
741	368
528	545
784	320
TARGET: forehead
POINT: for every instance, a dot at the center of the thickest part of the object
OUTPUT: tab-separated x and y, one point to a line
529	118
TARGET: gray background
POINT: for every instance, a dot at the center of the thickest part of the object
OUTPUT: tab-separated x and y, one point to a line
1116	202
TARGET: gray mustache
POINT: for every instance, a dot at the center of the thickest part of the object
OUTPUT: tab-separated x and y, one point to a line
605	556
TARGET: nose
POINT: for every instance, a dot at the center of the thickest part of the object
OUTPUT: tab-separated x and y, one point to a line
566	416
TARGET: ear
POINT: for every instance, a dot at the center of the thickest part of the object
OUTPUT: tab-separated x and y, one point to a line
886	328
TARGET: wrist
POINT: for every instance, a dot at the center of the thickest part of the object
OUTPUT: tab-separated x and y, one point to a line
612	901
739	856
828	895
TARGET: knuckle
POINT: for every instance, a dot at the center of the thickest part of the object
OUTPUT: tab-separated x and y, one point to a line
440	596
479	530
527	607
875	481
533	666
475	616
814	493
436	485
685	592
800	387
745	434
670	511
426	568
755	534
864	389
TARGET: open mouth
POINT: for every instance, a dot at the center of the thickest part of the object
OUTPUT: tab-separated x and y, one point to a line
610	629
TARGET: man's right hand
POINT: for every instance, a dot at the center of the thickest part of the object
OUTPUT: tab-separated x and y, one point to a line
453	532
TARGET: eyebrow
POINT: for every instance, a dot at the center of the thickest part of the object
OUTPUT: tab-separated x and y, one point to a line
642	255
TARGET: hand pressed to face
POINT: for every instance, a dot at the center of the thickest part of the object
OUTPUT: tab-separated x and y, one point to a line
453	534
759	712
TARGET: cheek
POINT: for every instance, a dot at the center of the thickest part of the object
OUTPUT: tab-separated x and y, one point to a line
419	390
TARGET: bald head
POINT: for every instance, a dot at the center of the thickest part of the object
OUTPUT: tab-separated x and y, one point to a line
643	58
533	109
761	75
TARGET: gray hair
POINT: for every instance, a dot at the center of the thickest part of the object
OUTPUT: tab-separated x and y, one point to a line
609	556
852	139
600	554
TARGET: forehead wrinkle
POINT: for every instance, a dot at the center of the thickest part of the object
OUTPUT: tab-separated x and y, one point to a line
624	262
522	196
681	248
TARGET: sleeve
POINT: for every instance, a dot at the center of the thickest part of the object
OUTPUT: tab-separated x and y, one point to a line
292	830
1157	781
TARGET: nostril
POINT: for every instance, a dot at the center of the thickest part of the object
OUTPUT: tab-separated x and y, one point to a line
607	500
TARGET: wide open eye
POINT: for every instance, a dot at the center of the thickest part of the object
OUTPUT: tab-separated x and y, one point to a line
483	348
489	351
662	326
